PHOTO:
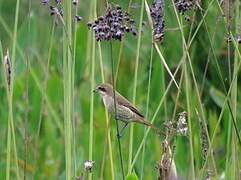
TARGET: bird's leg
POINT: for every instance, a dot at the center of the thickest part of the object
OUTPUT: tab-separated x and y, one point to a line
122	130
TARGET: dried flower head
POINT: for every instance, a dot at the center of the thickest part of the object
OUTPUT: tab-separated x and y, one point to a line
89	165
187	18
44	2
228	39
57	1
75	2
166	166
237	38
204	137
8	68
157	13
78	18
114	24
183	5
182	124
56	9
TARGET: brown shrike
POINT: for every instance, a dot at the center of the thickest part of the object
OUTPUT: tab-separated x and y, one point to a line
125	111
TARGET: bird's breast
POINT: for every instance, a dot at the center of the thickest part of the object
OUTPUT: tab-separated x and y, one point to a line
122	113
108	102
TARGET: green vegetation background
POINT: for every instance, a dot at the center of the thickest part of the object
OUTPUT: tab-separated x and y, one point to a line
38	95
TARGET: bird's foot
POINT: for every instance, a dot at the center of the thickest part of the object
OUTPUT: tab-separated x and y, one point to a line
118	135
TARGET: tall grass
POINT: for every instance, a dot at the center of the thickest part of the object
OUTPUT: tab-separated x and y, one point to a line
107	118
92	85
59	125
68	93
11	138
135	84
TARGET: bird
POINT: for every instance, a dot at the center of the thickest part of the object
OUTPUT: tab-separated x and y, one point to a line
124	110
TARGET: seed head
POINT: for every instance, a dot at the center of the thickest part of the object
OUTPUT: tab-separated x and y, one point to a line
182	124
78	18
44	2
114	24
89	165
8	68
183	5
57	1
157	13
75	2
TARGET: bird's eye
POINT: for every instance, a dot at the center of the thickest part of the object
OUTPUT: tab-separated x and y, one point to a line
102	89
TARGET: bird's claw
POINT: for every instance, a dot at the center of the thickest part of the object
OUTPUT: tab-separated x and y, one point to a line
119	135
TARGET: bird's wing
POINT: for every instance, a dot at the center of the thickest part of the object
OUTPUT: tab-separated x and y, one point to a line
124	102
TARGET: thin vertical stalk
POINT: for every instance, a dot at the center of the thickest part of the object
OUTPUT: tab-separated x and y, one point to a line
189	122
68	94
163	87
26	111
135	85
147	109
234	153
75	25
117	124
92	105
10	92
106	117
121	48
8	153
91	125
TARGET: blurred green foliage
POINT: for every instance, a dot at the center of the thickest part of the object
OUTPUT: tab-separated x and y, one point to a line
38	92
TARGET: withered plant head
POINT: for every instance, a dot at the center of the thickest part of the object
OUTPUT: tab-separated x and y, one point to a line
204	137
114	24
177	127
78	18
166	166
88	165
56	8
182	126
44	2
8	69
183	5
157	13
75	2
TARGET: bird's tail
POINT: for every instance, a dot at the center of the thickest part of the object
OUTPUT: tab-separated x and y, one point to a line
147	123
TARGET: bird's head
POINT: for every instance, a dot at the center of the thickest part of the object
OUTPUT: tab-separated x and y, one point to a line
104	89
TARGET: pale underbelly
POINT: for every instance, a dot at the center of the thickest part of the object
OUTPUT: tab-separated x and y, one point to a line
120	113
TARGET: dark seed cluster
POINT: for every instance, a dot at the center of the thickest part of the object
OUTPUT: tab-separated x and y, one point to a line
75	2
56	8
183	5
114	24
179	127
157	13
8	68
237	38
204	139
